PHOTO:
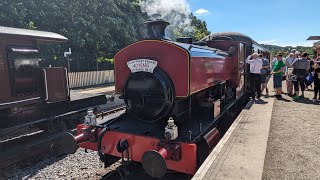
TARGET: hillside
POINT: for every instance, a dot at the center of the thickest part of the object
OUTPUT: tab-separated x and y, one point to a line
274	49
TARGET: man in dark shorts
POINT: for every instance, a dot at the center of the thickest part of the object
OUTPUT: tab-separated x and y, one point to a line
301	67
277	75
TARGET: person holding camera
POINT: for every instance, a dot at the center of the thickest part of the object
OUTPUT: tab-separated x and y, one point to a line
255	70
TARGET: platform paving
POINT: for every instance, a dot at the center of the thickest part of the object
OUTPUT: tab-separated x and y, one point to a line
76	94
270	139
293	150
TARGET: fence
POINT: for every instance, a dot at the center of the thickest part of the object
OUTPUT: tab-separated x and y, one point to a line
90	78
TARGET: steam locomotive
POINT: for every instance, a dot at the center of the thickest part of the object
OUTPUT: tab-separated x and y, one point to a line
175	93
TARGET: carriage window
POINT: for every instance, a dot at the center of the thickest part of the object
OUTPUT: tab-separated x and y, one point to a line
24	70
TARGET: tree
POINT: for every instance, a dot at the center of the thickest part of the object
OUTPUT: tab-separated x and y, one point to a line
198	29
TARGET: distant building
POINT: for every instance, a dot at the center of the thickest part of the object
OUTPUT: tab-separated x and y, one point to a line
316	45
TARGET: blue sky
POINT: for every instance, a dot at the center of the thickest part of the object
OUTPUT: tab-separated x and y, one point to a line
278	22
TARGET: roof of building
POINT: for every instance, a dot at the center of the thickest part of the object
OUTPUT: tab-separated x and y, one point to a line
314	38
32	34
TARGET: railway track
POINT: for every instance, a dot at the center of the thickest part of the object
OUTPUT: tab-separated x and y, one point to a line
39	143
51	146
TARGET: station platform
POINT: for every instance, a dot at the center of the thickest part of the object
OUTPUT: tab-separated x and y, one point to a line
76	94
270	139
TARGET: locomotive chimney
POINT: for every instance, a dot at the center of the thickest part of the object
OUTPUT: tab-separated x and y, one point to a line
156	29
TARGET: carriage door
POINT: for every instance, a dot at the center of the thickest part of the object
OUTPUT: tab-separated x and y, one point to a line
242	57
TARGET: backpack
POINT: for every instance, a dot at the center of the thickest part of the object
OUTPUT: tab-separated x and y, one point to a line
309	79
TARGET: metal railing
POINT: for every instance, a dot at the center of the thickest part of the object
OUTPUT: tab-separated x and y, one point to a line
90	78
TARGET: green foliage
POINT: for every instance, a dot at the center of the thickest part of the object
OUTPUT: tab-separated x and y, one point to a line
96	27
100	27
197	29
274	49
31	25
103	59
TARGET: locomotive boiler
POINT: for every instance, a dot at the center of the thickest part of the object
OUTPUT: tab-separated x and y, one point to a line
175	93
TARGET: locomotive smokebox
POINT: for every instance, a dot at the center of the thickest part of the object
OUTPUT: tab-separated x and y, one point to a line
157	29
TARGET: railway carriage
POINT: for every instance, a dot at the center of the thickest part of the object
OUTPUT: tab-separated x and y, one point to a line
30	93
176	94
22	79
240	47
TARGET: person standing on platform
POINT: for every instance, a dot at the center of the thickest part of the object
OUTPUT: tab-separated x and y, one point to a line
289	70
255	70
300	68
297	54
273	63
316	82
277	75
265	73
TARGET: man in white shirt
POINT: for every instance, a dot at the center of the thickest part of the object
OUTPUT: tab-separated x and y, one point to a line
255	70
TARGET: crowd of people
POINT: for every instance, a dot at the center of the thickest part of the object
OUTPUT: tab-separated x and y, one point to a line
297	69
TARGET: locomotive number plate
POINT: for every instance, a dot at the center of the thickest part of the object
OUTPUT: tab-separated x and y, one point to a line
144	65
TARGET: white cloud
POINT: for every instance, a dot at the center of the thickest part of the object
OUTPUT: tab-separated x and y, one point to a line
202	12
280	43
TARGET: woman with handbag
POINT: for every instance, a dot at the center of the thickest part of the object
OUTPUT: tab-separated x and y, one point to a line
289	70
300	70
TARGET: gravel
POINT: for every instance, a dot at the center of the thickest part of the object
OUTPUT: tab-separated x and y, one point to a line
80	165
294	145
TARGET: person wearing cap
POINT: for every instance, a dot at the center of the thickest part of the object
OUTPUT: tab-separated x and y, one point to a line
255	70
300	68
277	72
275	59
288	71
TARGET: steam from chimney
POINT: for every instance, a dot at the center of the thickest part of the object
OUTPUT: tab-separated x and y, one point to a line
176	12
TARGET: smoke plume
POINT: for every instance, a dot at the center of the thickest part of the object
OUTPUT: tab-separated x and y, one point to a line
176	12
